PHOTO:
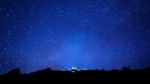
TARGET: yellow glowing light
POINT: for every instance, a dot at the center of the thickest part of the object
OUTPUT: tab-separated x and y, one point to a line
74	69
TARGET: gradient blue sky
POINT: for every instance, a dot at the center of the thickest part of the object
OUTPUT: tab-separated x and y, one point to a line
59	34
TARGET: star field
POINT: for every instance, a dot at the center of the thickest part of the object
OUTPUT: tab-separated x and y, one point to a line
60	34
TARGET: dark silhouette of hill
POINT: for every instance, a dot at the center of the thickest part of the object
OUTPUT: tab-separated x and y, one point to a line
85	75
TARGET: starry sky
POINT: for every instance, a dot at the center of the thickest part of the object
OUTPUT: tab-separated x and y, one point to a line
59	34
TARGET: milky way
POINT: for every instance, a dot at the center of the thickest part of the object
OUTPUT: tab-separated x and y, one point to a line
59	34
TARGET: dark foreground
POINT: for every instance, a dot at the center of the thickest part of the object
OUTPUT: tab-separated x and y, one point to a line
124	75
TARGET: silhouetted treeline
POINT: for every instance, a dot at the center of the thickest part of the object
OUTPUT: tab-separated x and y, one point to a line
88	75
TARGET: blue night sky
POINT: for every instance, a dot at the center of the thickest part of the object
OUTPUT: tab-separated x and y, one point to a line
59	34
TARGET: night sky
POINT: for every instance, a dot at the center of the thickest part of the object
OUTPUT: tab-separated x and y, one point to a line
59	34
